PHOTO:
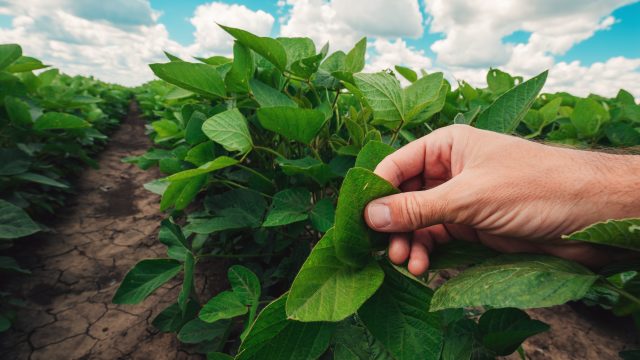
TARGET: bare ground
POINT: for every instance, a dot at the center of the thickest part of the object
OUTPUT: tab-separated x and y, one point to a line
113	223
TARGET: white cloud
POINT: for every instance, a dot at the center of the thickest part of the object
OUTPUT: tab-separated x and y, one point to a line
210	38
388	53
343	22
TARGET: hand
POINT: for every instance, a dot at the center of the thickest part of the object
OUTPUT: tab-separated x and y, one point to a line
508	193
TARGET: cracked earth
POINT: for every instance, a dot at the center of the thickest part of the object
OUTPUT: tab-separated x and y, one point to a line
111	224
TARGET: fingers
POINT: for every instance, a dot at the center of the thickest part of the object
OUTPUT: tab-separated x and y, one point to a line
430	155
399	248
414	210
419	259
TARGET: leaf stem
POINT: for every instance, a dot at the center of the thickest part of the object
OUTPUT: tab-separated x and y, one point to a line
266	149
256	173
621	292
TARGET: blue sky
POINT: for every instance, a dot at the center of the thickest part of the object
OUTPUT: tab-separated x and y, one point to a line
588	45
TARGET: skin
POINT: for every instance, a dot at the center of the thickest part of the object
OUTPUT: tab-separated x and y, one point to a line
505	192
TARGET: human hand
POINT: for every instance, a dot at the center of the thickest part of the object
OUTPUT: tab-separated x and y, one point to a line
508	193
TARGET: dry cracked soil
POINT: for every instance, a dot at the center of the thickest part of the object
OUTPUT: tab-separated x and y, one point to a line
112	223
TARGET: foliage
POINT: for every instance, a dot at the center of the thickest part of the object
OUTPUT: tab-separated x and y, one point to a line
267	159
50	126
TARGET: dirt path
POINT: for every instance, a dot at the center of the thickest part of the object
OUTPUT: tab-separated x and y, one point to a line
111	224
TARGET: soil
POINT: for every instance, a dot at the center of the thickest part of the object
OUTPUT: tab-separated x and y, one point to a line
112	224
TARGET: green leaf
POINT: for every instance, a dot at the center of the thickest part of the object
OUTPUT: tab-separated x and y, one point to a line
144	278
463	341
352	342
242	69
459	253
355	59
197	331
307	166
245	284
354	240
550	110
587	117
202	79
62	121
322	215
620	233
398	316
435	106
266	96
522	281
193	133
5	323
293	123
218	356
41	179
13	162
407	73
225	305
289	206
421	93
8	54
187	283
213	165
622	134
14	222
171	235
180	193
9	264
24	64
505	329
171	319
383	94
18	111
297	48
509	109
201	153
236	209
230	130
325	289
499	81
372	153
166	129
270	49
274	337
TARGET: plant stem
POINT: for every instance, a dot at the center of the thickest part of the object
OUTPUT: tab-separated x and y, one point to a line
621	292
266	149
396	132
256	173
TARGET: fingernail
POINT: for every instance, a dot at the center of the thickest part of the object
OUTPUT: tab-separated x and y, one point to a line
379	215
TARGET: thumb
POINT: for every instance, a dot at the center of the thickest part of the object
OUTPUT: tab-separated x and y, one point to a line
409	211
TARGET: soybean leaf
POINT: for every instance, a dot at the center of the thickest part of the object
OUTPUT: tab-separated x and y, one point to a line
144	278
289	206
225	305
41	179
18	111
354	240
234	209
587	117
372	153
242	69
620	233
202	79
499	81
59	121
522	281
509	109
270	49
293	123
398	316
13	162
322	215
171	235
352	342
187	283
196	331
407	73
307	166
297	48
9	264
622	134
503	330
549	111
266	96
355	58
245	284
24	64
213	165
201	153
459	253
435	106
230	130
463	341
8	54
421	93
326	289
383	94
14	222
274	337
180	193
193	133
171	319
218	356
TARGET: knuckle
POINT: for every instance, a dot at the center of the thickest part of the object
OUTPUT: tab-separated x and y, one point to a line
411	210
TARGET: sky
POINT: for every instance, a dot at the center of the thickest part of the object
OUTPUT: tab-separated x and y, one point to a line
589	46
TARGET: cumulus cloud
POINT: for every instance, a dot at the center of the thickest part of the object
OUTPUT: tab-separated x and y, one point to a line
211	38
388	53
343	22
